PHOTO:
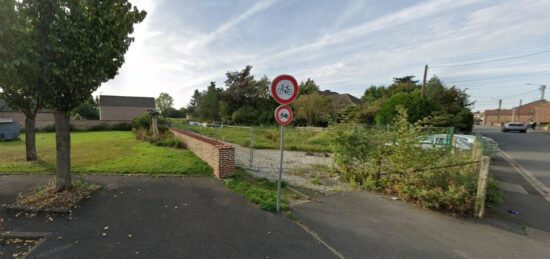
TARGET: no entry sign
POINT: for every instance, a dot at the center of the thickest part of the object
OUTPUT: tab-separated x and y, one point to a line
283	115
284	89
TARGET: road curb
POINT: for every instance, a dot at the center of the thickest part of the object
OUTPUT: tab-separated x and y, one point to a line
542	189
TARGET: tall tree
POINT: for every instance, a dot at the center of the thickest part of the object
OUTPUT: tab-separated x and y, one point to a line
164	102
209	103
81	44
308	87
19	73
312	108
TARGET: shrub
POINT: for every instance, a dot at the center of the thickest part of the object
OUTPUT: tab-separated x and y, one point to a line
144	121
245	115
393	162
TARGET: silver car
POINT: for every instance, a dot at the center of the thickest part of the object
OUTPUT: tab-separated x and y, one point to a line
515	126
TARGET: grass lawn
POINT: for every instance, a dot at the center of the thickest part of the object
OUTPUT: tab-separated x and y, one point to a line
102	152
268	138
260	191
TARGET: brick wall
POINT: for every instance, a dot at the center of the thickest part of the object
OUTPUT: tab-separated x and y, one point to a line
219	156
120	113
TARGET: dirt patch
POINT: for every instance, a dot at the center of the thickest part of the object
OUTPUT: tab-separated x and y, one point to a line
303	169
47	199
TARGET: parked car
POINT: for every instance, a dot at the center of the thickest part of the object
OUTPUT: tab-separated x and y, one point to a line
215	124
9	130
193	123
515	126
463	142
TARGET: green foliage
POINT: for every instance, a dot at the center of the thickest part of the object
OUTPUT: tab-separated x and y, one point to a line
87	111
19	67
245	115
71	72
392	161
164	102
208	108
144	120
312	108
109	152
308	87
242	90
464	120
417	107
258	191
173	113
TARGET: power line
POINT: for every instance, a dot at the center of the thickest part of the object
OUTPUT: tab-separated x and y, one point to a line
495	77
491	60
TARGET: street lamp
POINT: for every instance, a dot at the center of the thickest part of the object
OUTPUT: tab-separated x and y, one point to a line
542	89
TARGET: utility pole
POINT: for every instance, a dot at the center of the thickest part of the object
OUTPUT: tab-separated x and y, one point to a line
498	112
519	110
424	81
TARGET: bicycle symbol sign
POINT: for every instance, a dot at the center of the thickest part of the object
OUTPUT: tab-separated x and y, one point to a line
283	115
284	89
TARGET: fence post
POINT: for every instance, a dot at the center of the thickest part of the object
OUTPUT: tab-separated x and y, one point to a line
479	209
450	138
251	160
475	148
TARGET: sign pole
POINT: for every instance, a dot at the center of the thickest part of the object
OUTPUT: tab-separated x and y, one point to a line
280	171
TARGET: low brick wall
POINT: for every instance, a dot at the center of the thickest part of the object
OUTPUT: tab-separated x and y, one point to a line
219	156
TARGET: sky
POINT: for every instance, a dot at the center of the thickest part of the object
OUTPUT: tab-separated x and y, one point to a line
493	49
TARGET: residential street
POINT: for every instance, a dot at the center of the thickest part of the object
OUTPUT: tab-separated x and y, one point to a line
524	208
531	150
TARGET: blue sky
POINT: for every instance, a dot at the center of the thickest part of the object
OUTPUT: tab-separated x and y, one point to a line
345	46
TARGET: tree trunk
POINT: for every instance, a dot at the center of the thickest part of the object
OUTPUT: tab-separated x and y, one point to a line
63	150
30	138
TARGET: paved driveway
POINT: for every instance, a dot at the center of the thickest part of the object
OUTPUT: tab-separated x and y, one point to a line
165	217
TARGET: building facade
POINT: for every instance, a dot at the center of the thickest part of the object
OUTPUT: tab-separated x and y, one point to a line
524	113
123	108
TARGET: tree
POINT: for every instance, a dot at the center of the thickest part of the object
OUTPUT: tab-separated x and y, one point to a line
19	73
312	108
209	103
87	110
308	87
174	113
417	107
164	102
80	45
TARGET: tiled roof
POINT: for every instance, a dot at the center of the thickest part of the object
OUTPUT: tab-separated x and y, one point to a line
126	101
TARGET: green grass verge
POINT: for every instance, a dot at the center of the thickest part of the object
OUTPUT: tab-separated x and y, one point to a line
259	191
268	138
102	152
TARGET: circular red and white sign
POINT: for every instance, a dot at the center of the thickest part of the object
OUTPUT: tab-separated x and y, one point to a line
283	115
284	89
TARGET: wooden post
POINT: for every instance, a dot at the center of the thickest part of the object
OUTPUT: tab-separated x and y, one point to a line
475	149
154	127
453	145
479	209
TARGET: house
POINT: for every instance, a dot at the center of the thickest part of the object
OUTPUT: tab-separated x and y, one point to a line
524	113
123	108
542	114
341	100
44	117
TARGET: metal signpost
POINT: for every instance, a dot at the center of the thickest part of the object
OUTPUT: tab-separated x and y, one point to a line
284	89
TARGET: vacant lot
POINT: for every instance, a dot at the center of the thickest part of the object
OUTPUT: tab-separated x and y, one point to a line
102	152
268	138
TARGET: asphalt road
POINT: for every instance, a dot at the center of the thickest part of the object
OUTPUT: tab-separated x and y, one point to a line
530	150
160	217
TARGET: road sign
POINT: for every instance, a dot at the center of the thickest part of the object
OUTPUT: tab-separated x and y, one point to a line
283	115
284	89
